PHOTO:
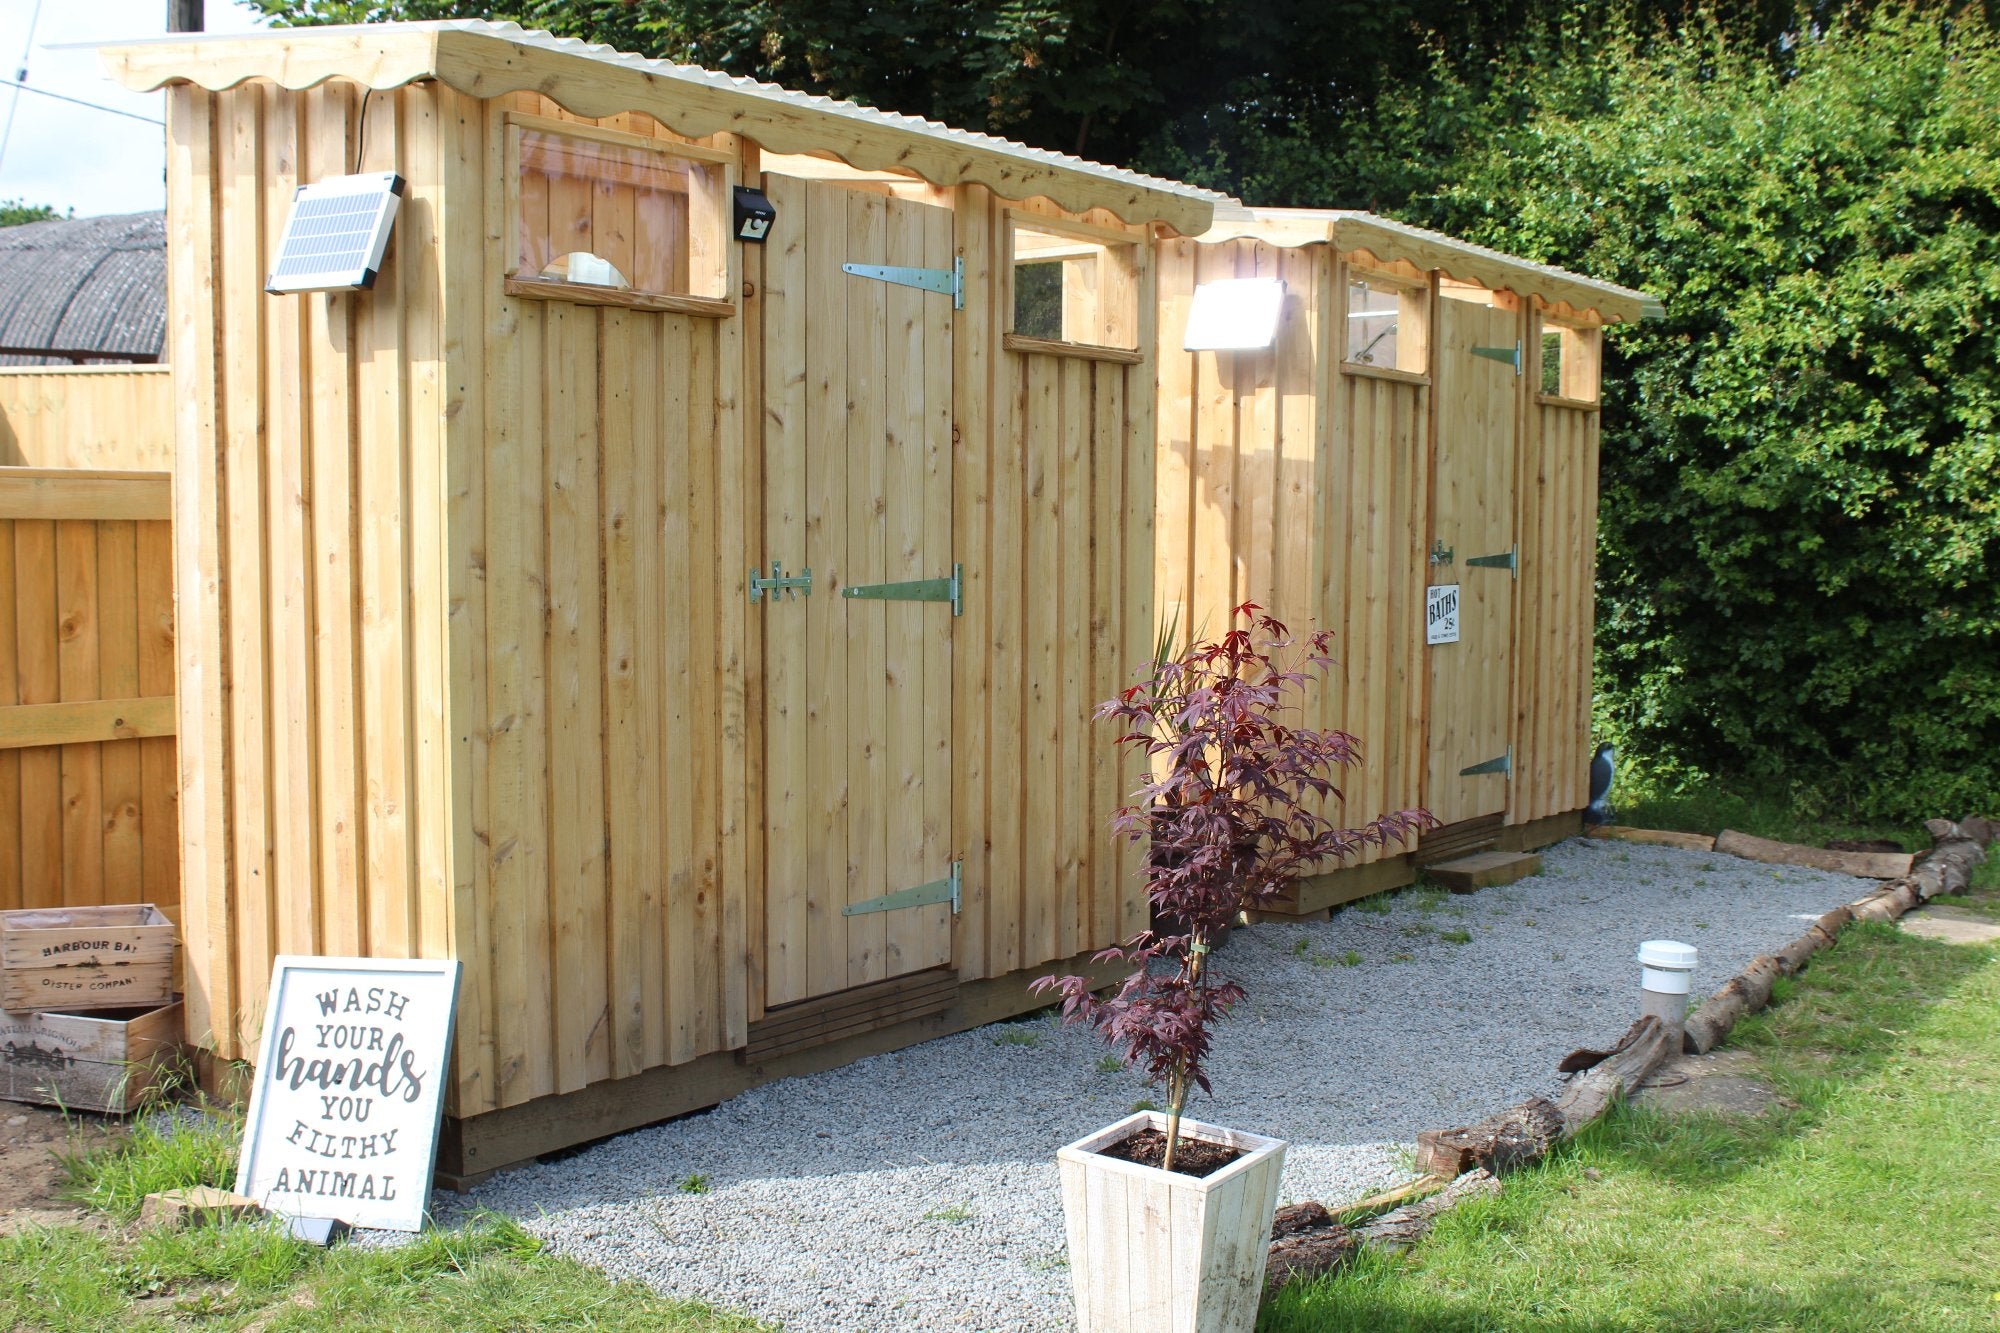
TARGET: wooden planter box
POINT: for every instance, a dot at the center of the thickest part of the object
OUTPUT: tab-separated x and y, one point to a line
1154	1251
71	958
100	1061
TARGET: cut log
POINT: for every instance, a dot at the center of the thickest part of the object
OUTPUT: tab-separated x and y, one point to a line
1894	900
1515	1136
1297	1217
1307	1254
1745	993
1866	865
1948	866
1524	1133
1637	1054
1654	837
1398	1231
1796	954
1831	923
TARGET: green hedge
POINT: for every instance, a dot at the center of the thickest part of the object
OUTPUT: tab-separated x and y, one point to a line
1797	573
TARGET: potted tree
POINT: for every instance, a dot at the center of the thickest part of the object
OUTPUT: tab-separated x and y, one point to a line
1168	1218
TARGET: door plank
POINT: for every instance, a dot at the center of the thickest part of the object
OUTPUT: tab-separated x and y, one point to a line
826	646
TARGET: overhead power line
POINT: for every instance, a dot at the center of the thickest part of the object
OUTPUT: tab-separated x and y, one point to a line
7	135
78	101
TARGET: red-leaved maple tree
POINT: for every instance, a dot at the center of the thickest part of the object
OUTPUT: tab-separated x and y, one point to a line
1231	802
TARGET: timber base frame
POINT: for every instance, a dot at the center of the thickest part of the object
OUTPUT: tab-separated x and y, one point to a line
475	1147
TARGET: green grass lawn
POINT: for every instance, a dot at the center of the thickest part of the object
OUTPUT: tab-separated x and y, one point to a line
1873	1205
486	1275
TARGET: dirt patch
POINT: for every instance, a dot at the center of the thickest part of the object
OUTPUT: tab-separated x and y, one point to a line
1863	845
1195	1157
33	1140
1721	1081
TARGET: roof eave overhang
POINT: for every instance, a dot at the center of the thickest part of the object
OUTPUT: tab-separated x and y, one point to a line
488	65
1392	242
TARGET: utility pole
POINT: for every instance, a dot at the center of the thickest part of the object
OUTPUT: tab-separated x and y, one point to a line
184	15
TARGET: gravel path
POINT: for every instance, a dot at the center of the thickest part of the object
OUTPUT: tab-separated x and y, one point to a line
917	1190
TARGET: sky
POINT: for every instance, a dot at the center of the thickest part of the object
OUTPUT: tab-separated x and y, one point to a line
71	156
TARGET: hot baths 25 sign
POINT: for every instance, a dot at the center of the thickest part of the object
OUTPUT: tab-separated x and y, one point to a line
350	1086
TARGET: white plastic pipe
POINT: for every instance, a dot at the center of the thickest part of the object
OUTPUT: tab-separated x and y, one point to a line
1668	964
1663	987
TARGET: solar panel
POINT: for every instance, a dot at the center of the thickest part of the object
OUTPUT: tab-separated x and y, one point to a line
1234	315
334	239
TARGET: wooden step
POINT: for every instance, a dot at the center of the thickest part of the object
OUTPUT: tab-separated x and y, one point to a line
1483	870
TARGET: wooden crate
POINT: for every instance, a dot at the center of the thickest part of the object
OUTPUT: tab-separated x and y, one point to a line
99	1061
70	958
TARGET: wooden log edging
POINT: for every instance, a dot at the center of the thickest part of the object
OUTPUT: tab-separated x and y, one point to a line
1862	865
1307	1241
1956	851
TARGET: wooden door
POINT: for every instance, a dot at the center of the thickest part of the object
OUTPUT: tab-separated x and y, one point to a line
1478	387
857	489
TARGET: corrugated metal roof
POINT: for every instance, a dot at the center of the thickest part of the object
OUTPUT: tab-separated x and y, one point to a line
1353	229
84	284
991	143
487	59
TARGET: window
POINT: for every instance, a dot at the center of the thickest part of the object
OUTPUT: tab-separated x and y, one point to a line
1569	361
615	218
1386	325
1074	284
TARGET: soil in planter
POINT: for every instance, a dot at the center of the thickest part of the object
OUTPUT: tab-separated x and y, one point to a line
1197	1157
1863	845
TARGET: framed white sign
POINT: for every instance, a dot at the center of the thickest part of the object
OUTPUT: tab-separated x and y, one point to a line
349	1096
1441	613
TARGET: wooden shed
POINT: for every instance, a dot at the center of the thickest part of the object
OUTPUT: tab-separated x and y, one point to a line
496	639
1422	414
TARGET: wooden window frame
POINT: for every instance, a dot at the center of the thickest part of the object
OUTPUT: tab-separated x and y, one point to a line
1418	288
1581	374
708	216
1127	282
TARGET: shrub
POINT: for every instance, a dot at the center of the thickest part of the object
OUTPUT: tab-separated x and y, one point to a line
1232	815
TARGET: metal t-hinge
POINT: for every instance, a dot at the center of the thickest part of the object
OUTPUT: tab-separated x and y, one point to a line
780	583
1504	764
944	281
1509	560
950	589
1507	356
937	891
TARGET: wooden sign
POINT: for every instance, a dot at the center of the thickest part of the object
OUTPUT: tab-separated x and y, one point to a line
1441	613
345	1113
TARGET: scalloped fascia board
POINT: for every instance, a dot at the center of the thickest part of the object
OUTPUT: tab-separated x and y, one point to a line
488	60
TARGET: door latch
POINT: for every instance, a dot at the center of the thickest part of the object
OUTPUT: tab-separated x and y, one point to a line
780	583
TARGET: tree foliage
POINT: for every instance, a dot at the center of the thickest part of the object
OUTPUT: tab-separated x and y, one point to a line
13	212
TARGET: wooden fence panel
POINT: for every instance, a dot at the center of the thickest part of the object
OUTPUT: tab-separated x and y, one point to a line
87	417
87	772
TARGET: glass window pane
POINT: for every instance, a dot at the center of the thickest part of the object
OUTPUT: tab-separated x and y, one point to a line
604	214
